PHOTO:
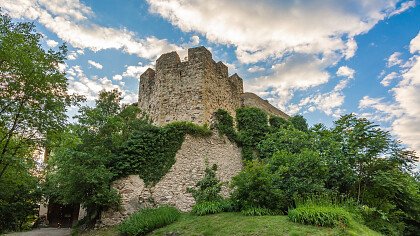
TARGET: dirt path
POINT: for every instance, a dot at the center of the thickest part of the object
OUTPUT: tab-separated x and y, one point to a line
44	232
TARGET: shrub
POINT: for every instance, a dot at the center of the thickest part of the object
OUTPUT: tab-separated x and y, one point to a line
320	215
257	211
299	122
147	220
208	188
298	174
254	187
278	122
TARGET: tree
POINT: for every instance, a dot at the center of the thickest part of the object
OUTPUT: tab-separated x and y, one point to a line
33	91
33	101
78	168
299	122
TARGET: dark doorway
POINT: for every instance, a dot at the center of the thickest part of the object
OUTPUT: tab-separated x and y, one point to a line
62	216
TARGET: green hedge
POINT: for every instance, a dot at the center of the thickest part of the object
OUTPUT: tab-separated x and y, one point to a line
147	220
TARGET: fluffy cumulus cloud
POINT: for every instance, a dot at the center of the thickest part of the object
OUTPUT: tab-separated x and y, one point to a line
79	83
289	76
394	59
135	71
403	112
302	39
386	81
70	21
345	71
323	26
51	43
95	64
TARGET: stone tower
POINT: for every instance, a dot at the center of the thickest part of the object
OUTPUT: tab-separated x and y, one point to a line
191	90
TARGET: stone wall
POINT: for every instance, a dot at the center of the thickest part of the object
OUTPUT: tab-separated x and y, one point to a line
252	100
186	172
189	91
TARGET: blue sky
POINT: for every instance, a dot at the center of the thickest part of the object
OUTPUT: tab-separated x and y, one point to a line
320	58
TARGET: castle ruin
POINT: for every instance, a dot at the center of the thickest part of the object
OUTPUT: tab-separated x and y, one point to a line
186	91
193	90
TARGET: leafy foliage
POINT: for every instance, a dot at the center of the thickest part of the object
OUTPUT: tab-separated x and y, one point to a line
252	124
147	220
254	187
33	101
290	140
208	188
150	150
320	216
206	208
278	122
299	122
225	124
111	142
299	174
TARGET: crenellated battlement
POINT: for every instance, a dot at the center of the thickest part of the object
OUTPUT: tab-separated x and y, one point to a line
190	90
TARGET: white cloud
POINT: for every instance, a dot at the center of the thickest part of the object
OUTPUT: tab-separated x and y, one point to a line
90	87
394	59
404	7
254	69
297	72
345	71
404	111
51	43
135	71
70	20
351	47
415	44
72	55
386	81
275	28
117	77
195	40
95	64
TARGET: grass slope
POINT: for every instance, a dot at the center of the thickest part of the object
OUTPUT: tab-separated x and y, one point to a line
237	224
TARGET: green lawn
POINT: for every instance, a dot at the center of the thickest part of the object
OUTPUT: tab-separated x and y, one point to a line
237	224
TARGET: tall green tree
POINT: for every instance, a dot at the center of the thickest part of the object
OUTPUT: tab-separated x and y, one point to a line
79	170
33	101
33	91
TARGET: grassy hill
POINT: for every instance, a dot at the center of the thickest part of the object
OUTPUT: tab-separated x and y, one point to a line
227	224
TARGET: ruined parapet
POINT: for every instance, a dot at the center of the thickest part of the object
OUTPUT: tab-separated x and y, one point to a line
252	100
188	91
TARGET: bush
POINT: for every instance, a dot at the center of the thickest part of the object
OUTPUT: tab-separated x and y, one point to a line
298	174
208	188
147	220
320	215
254	187
257	211
278	122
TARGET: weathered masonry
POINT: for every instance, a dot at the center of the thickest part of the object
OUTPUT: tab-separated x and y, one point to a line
193	90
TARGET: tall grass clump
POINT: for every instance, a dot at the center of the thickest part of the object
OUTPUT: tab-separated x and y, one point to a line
147	220
320	211
206	208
